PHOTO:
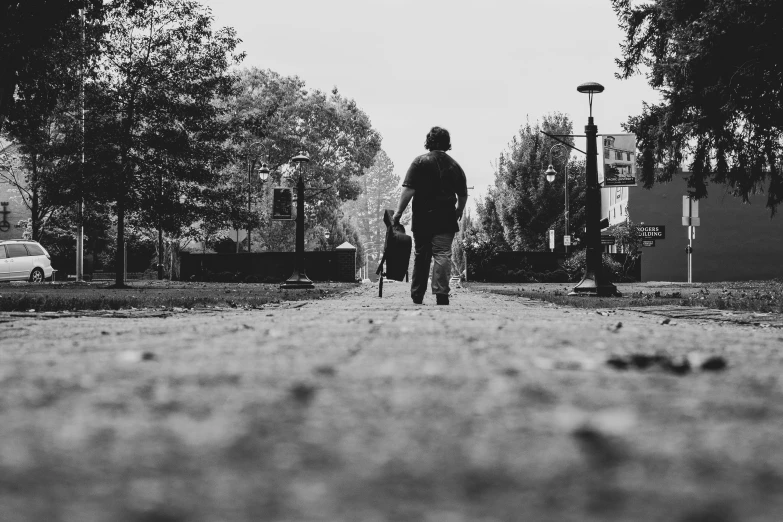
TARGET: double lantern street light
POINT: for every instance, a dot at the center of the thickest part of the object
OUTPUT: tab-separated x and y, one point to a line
594	282
299	279
550	177
263	175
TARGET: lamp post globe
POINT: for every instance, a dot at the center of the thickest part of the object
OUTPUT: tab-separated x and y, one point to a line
263	172
299	279
550	174
299	159
594	282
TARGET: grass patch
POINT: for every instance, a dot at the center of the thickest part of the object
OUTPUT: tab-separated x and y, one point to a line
747	296
57	297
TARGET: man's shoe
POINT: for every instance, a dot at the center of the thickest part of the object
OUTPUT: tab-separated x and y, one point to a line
442	299
417	300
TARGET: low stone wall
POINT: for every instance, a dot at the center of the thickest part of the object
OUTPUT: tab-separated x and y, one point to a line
267	267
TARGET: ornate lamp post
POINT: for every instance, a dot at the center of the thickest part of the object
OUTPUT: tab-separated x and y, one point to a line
593	282
550	177
263	174
299	279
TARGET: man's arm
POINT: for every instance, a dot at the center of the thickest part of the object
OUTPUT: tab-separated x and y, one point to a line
405	198
461	201
463	188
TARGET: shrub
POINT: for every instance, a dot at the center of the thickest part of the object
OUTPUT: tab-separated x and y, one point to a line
479	251
223	245
575	267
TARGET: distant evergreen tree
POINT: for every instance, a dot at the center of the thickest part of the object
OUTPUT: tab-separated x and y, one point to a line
380	191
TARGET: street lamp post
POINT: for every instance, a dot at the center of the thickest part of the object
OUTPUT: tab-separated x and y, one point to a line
299	279
550	177
263	173
593	283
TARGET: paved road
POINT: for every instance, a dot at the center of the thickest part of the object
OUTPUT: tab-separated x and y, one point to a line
366	408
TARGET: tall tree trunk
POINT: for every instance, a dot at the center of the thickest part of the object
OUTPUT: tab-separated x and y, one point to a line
161	252
119	260
35	224
122	188
161	256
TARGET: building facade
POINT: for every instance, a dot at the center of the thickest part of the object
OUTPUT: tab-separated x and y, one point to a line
733	242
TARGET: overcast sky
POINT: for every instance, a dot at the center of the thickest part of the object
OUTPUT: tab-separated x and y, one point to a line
479	69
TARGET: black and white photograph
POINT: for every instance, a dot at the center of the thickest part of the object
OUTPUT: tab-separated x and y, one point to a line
391	261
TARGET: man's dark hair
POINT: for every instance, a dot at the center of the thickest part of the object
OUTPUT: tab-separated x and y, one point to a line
438	138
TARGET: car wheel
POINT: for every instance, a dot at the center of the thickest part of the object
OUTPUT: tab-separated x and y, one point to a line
37	275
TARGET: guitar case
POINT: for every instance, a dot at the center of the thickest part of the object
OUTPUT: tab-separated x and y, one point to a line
396	252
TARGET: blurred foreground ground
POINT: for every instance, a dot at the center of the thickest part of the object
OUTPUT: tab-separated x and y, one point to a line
355	408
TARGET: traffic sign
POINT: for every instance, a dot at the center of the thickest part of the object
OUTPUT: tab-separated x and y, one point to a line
567	240
551	239
652	231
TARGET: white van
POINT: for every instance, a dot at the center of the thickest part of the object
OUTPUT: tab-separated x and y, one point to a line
24	260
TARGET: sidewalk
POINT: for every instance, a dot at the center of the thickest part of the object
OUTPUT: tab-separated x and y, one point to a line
371	409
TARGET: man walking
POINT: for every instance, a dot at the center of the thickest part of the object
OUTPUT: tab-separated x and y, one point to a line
439	190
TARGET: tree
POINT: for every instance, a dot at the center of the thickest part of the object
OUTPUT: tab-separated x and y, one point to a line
31	34
282	118
42	118
719	68
489	221
161	68
522	202
16	171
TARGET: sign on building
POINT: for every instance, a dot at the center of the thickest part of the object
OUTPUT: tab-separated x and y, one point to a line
652	231
607	239
618	165
282	207
648	242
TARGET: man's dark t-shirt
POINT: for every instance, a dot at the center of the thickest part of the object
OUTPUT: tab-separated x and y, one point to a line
437	180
